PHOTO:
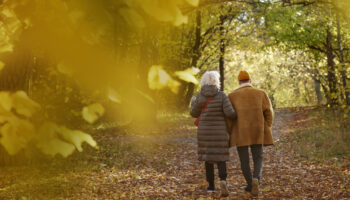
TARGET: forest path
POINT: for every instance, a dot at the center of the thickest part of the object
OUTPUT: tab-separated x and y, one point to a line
161	163
283	176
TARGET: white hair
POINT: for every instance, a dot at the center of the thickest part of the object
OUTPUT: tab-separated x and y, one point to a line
211	78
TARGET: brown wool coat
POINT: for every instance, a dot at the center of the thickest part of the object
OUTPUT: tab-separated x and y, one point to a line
254	117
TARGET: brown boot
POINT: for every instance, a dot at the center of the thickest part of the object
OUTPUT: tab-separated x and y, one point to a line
255	187
224	189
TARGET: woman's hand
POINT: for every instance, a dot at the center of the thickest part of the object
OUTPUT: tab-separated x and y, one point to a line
193	98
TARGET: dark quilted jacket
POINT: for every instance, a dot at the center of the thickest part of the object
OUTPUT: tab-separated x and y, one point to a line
213	138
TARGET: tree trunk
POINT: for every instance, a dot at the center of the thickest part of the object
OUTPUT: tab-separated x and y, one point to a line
332	79
16	75
195	56
342	61
145	111
17	72
222	53
317	85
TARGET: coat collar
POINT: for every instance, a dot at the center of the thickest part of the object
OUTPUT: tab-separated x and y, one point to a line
244	85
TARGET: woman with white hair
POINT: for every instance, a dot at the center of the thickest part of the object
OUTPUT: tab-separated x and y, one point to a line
211	107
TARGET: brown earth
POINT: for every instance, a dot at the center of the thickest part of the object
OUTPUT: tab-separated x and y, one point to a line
161	163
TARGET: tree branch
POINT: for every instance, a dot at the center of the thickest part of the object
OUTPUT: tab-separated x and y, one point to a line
317	48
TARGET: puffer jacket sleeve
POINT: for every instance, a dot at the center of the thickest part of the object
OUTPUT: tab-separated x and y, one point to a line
197	105
229	111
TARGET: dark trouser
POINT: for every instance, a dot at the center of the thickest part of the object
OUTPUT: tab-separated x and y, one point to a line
209	171
257	152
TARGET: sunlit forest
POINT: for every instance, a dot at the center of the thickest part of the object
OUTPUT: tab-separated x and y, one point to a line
95	95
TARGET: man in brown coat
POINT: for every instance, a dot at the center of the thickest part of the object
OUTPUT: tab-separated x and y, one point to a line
252	128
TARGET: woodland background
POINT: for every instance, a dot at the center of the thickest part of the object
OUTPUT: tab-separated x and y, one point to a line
73	71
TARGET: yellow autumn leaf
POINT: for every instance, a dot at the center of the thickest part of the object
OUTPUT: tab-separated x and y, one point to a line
113	95
3	118
54	139
9	140
23	104
158	78
193	2
49	143
77	137
2	65
5	101
56	146
174	86
16	134
188	75
92	112
122	195
76	15
7	12
157	9
132	17
6	47
64	69
164	11
180	18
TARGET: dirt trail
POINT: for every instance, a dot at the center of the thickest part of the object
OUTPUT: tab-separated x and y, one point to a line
283	176
166	167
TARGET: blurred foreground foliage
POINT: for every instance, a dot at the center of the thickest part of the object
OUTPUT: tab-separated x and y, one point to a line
85	65
70	58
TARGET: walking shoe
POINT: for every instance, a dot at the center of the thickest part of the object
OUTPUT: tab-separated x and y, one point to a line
224	189
255	187
210	189
248	189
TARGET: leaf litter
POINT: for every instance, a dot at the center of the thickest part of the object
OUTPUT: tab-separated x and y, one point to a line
163	165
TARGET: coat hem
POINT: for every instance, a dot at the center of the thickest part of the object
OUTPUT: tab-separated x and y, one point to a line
251	145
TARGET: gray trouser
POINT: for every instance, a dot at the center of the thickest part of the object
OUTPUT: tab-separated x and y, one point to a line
257	152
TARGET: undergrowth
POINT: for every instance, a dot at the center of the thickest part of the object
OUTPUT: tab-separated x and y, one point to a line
325	136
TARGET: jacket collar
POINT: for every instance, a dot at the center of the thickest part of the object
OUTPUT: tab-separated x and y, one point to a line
244	85
209	90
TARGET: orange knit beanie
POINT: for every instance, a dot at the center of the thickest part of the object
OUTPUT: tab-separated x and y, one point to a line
243	75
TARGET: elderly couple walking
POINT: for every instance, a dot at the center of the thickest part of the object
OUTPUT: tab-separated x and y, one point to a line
242	119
